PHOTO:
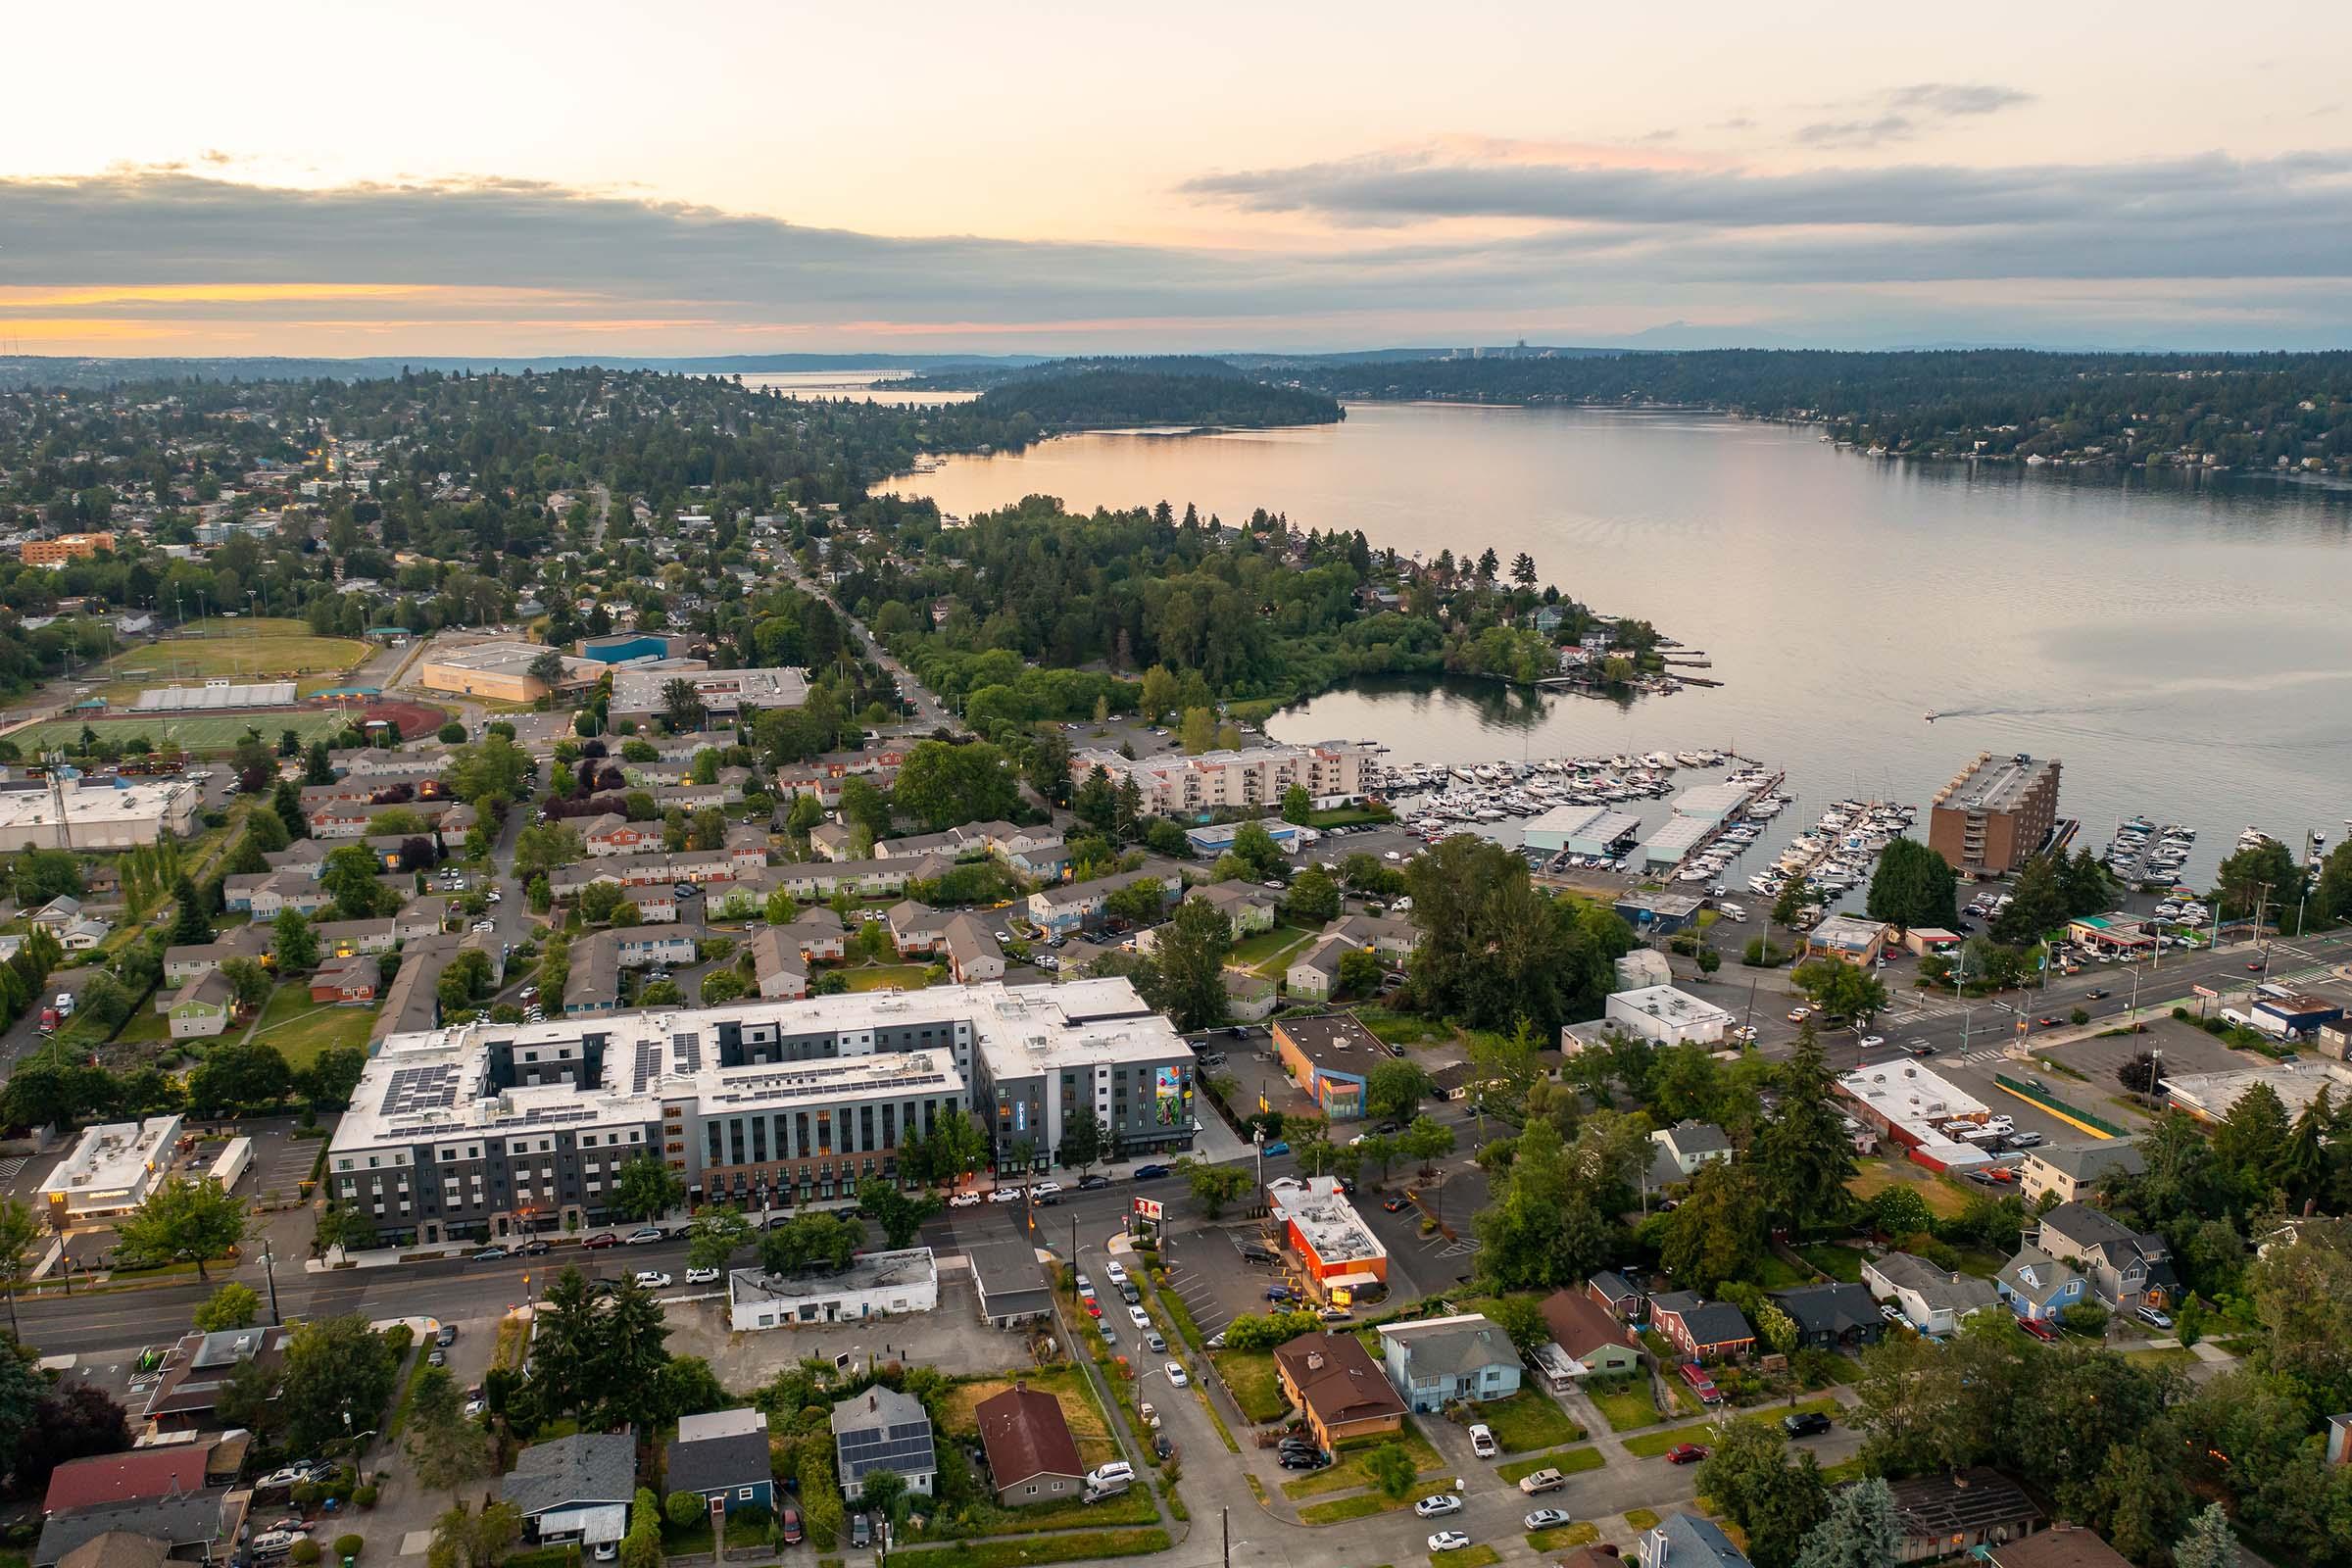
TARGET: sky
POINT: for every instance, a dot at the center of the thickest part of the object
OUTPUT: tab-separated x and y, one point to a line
706	176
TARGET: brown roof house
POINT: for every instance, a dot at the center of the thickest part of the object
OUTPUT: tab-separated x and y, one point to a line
1031	1456
1334	1379
1588	1334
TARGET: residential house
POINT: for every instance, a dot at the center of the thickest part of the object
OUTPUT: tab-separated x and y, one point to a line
778	966
1931	1299
1313	974
1682	1149
817	935
134	1475
186	1527
641	947
1080	905
615	834
198	1368
2061	1546
84	933
1248	996
202	1009
265	895
1032	1458
2074	1171
58	914
973	955
1334	1382
1948	1513
592	987
1708	1331
347	982
185	963
831	840
1589	1335
1690	1540
1615	1292
345	939
1437	1360
574	1489
424	917
1832	1317
916	930
882	1429
1246	907
1393	939
722	1458
2035	1285
2126	1269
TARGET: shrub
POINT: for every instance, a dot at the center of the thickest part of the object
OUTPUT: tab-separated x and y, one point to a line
364	1497
683	1508
307	1495
453	733
348	1546
2081	1016
2086	1318
306	1551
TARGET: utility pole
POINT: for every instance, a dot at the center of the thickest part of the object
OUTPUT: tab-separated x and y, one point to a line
269	1273
1225	1528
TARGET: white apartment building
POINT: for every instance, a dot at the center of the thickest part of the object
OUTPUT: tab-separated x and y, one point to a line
1334	772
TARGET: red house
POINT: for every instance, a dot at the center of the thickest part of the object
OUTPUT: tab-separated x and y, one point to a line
352	982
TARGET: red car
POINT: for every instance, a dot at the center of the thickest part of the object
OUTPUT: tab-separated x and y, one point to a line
2039	1329
1686	1453
2050	1020
2254	969
1094	1308
601	1238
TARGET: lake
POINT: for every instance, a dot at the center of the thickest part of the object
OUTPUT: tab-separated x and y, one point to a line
2181	646
864	386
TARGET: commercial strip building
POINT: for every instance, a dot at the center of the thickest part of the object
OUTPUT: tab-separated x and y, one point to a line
110	1170
1247	781
1848	938
874	1284
1924	1112
1336	1251
637	690
489	1129
1330	1056
1994	813
1666	1016
99	813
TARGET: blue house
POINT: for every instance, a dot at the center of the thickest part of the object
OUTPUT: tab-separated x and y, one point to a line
2035	1285
1438	1360
1215	838
723	1457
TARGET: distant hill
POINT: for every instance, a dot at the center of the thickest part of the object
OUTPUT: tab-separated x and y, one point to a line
29	370
979	377
1098	398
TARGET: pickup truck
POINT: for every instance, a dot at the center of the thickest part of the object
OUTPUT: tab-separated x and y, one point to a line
1542	1481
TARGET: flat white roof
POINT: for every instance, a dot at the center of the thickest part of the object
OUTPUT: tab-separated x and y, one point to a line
114	1158
1669	1005
1920	1101
96	803
1325	1219
1710	801
1674	837
638	690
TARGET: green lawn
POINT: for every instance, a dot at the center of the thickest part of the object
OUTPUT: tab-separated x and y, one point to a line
1350	1470
145	1026
1650	1445
1641	1518
1836	1475
1627	1406
1478	1556
1362	1505
1842	1263
1773	1272
1568	1461
1528	1420
1401	1028
2179	1355
300	1028
194	732
1250	1378
1076	1546
1565	1538
883	976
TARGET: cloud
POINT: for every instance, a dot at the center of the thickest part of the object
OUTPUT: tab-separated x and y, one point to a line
1901	112
2155	251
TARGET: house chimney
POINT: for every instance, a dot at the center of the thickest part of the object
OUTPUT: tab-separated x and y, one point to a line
1314	1360
872	1404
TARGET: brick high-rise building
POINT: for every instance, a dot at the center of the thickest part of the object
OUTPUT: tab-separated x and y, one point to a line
1996	814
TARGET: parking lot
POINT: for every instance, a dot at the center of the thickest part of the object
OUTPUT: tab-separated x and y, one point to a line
1218	1282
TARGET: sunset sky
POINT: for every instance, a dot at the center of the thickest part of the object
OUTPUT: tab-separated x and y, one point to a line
703	177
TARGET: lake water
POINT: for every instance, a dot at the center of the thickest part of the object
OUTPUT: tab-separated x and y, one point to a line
2182	647
864	386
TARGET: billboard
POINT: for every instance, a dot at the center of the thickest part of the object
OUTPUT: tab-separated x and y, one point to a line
1148	1208
1171	1097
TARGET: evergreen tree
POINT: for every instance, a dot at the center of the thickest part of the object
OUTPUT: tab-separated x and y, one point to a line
1859	1532
2209	1542
191	926
1803	1155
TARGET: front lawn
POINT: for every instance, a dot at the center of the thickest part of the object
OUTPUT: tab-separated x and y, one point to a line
1350	1471
1565	1537
1626	1404
888	977
301	1028
1641	1518
1773	1272
1567	1461
2179	1355
1478	1556
1650	1444
1363	1505
1528	1419
1076	1546
1255	1386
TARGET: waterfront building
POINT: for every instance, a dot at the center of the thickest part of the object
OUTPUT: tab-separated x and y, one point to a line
1996	814
1244	780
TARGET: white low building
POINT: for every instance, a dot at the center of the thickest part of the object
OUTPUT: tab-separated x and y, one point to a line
97	817
1664	1015
1919	1109
111	1170
877	1284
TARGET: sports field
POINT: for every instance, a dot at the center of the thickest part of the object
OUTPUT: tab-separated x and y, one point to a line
246	648
196	732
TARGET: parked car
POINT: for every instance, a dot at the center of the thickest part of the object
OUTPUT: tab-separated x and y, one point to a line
1549	1519
1806	1424
1448	1541
1150	1173
447	1337
1176	1376
861	1533
1005	1195
1482	1440
2154	1318
534	1247
652	1279
600	1238
488	1254
644	1235
702	1276
1152	1341
1302	1459
1546	1479
1396	1205
788	1522
1686	1453
1438	1504
1279	1146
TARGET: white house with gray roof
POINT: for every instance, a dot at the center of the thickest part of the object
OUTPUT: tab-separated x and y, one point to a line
1441	1360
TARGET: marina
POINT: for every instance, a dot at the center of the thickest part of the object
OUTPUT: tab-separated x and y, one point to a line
1579	819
